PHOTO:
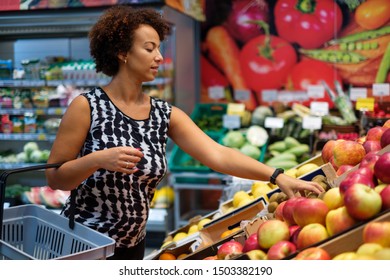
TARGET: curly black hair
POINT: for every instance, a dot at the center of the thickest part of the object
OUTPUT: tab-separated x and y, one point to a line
113	34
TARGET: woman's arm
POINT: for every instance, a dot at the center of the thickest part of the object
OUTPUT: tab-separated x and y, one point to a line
192	140
69	140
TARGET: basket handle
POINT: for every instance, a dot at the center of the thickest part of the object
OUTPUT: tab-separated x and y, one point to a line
3	181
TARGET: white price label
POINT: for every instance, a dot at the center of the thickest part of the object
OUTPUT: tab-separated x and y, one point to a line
315	91
216	92
269	95
231	121
356	93
241	94
319	108
286	96
381	89
312	123
272	122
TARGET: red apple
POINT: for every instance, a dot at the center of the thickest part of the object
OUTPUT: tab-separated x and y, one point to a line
354	178
230	247
343	168
309	211
280	250
362	202
294	236
382	167
327	150
292	229
377	232
385	196
288	209
339	220
372	146
375	133
333	198
272	231
251	243
385	139
348	153
369	160
278	214
313	253
311	234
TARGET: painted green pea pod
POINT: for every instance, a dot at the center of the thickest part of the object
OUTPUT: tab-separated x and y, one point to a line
362	36
335	56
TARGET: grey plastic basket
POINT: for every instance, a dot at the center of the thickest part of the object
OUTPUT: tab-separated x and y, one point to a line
32	232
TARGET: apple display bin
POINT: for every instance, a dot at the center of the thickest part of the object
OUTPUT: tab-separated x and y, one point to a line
32	232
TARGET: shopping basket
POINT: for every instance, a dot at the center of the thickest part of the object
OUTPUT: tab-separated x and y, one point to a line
32	232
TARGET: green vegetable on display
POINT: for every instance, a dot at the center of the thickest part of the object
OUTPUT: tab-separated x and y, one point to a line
384	67
335	56
362	36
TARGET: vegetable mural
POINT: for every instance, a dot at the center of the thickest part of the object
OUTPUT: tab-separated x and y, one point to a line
261	45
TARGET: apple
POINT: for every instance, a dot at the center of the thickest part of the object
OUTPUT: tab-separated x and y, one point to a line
311	234
383	254
288	209
372	146
272	231
368	249
386	124
382	167
354	178
256	255
380	187
369	160
333	198
313	253
361	139
327	150
251	243
229	248
338	220
280	250
348	152
375	133
385	139
377	232
331	161
343	168
385	196
278	214
211	258
309	211
292	229
294	235
345	256
362	202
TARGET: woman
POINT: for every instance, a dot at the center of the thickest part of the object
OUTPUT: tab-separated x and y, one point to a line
112	139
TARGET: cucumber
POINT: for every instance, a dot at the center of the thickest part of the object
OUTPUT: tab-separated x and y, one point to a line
286	165
298	150
282	158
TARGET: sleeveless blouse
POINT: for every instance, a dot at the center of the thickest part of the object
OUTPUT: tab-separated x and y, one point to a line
114	203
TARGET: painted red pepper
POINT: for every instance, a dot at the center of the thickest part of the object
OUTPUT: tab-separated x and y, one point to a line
309	23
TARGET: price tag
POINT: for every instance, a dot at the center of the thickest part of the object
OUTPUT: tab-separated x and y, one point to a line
273	122
231	121
315	91
287	96
235	109
312	123
319	108
356	93
241	94
381	89
216	92
269	95
365	104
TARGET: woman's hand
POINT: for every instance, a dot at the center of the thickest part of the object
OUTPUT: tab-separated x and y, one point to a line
290	186
120	159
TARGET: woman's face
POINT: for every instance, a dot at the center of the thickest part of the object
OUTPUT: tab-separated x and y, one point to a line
144	58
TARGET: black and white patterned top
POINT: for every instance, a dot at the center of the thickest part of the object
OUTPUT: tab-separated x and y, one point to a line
115	203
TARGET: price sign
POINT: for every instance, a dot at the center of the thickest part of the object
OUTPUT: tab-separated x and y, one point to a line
312	123
231	121
272	122
315	91
241	94
235	109
269	95
216	92
381	89
365	104
319	108
356	93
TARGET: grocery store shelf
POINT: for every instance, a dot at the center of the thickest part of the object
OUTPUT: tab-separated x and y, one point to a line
27	136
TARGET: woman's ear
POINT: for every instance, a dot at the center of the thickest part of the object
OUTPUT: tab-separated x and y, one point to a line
123	58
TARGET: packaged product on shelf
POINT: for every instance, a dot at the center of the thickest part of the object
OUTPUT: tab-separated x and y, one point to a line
6	124
30	123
